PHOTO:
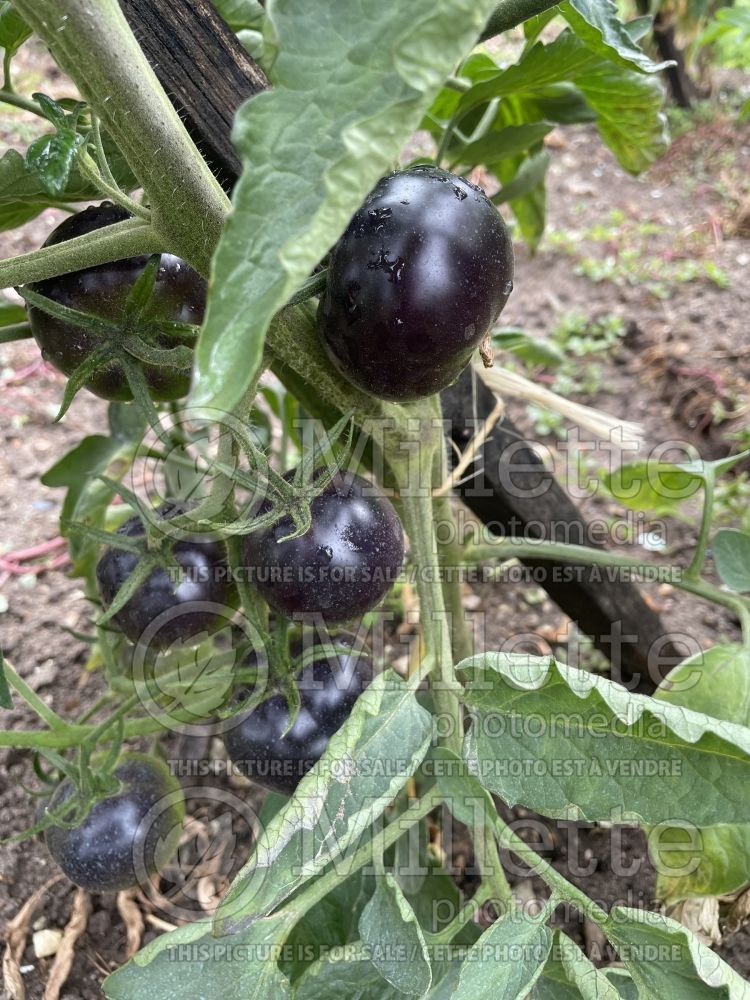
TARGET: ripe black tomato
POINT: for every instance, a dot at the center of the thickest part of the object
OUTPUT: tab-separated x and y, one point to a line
206	581
328	688
179	295
342	566
125	837
415	282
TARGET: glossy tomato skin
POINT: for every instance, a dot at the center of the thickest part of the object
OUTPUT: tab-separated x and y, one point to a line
416	281
342	567
125	837
179	295
328	689
206	579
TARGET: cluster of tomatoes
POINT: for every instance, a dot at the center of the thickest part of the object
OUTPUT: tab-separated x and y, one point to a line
414	285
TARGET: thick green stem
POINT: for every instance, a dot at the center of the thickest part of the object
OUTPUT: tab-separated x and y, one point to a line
510	13
187	202
451	562
416	480
451	558
129	238
491	868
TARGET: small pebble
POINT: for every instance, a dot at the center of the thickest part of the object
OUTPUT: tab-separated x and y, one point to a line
46	942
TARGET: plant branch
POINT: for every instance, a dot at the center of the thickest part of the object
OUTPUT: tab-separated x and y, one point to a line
561	552
91	172
559	885
188	204
32	699
699	556
129	238
415	481
18	101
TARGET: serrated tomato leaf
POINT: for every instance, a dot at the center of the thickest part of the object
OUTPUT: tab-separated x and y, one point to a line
731	552
666	960
364	766
189	962
574	745
597	23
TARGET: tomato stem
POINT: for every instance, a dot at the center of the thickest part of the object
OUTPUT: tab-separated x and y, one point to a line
32	699
695	568
129	238
187	202
415	481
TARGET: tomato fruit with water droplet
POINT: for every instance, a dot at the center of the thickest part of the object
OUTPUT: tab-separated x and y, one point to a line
415	283
342	566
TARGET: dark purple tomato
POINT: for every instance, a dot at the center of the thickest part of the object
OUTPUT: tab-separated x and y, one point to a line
126	837
328	688
414	284
179	295
200	602
342	567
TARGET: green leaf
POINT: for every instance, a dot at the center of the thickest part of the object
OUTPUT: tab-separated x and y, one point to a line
430	890
23	196
531	350
393	939
667	960
87	497
572	974
52	157
693	861
6	700
10	314
659	487
506	961
463	794
715	681
597	23
240	14
530	176
572	745
365	764
126	422
505	142
350	85
627	104
731	552
13	29
354	977
189	962
330	924
714	860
